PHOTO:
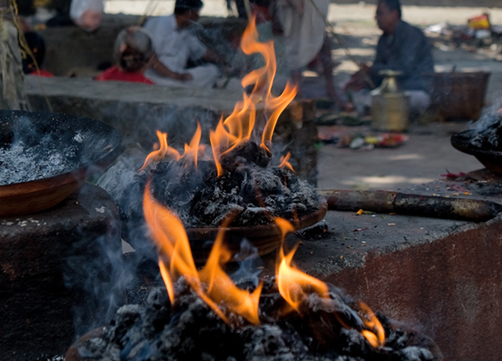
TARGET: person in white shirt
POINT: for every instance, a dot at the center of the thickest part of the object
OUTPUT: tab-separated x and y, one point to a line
174	45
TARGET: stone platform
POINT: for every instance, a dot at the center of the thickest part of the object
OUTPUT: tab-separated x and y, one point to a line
46	263
442	277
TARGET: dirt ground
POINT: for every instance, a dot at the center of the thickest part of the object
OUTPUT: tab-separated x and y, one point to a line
428	152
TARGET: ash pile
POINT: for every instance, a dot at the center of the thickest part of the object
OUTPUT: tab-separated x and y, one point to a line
27	154
251	188
37	146
486	133
323	329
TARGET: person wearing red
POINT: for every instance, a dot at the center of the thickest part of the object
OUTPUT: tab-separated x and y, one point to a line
132	52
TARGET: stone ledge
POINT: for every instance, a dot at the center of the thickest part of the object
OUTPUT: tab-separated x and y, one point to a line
443	277
37	305
135	110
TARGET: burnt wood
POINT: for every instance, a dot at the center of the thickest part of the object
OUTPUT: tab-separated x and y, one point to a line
412	204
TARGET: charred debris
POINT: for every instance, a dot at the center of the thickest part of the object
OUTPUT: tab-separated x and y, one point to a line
251	189
326	329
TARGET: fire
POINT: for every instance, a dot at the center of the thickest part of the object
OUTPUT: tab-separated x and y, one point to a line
215	286
376	338
220	287
239	126
165	151
285	162
294	285
212	284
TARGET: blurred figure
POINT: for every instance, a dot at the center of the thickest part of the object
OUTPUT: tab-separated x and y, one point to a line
37	46
303	25
132	53
87	14
174	45
402	47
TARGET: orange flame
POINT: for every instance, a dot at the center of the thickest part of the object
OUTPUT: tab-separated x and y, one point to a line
377	337
239	126
165	151
192	150
294	284
285	162
221	289
212	284
158	154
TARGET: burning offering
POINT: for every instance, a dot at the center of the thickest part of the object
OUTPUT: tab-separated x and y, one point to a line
211	315
236	174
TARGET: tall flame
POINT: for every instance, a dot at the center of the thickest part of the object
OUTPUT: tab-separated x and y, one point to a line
212	284
239	126
220	287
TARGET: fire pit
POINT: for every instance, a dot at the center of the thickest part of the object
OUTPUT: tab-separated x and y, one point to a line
239	175
209	314
45	157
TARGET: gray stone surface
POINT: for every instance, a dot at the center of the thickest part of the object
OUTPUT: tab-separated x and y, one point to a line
135	110
439	276
46	263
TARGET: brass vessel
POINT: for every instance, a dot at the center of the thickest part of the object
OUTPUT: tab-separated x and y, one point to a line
390	106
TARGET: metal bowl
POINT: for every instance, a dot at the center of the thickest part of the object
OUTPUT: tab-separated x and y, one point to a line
491	159
97	149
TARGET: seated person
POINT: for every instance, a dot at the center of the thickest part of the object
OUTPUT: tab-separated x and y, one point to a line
37	46
174	45
402	47
132	53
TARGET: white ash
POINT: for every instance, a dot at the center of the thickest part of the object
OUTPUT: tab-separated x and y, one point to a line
23	163
25	160
189	329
